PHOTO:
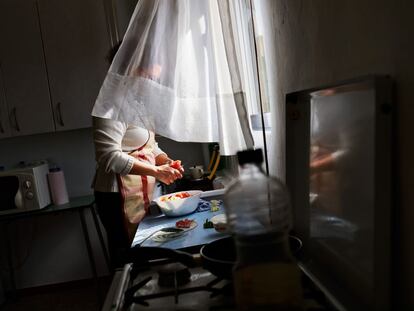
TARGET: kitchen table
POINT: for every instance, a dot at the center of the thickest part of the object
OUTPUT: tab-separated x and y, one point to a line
75	204
191	239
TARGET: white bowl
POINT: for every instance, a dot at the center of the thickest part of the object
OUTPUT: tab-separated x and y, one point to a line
178	206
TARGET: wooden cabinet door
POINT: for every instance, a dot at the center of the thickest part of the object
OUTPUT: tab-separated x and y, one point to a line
76	42
4	112
25	86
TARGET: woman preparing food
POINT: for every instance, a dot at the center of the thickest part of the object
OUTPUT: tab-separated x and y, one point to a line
129	162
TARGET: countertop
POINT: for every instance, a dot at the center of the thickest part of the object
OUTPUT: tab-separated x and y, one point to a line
74	203
192	238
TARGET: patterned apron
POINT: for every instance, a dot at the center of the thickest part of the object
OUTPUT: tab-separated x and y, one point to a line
136	190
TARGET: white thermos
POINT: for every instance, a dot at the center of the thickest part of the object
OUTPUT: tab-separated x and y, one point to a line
57	186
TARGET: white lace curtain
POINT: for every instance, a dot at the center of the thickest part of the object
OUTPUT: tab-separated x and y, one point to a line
179	72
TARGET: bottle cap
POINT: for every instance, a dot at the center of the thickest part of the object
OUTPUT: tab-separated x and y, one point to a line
250	156
54	169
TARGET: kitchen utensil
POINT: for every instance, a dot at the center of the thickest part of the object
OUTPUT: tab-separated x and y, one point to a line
141	255
216	164
213	157
178	206
165	234
219	256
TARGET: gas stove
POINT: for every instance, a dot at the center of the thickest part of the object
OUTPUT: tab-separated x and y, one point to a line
167	285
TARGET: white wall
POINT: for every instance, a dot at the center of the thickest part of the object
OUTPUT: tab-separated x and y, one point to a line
320	42
71	150
51	249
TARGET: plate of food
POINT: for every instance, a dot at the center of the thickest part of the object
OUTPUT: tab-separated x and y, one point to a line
170	233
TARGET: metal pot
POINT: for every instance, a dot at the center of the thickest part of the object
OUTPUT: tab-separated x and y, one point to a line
219	257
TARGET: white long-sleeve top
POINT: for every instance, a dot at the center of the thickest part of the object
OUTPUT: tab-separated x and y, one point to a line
113	140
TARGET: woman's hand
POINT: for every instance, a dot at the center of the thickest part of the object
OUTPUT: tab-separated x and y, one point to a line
177	165
167	174
162	170
163	158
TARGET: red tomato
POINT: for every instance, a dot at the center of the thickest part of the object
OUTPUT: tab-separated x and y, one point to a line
176	164
182	195
184	223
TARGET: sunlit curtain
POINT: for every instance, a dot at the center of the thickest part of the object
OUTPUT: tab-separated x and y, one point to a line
179	73
271	62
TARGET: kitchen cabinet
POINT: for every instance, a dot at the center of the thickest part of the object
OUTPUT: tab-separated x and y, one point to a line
24	93
76	42
4	125
52	64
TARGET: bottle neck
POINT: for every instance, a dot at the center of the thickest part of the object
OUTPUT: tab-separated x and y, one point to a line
250	169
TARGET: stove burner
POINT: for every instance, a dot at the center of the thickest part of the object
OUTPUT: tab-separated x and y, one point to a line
132	296
201	290
173	275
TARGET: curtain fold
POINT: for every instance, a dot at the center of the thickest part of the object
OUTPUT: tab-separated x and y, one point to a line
178	73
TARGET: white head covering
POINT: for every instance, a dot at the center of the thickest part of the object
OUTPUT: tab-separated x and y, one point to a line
176	74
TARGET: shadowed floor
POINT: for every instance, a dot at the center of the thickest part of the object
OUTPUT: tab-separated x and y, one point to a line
74	296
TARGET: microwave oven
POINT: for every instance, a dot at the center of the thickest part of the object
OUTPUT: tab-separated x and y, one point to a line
24	189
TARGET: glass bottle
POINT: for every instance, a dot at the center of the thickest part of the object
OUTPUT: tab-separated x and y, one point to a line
265	276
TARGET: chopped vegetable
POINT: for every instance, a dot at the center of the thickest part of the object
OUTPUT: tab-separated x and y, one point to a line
176	164
214	205
208	224
180	195
184	223
214	208
183	195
